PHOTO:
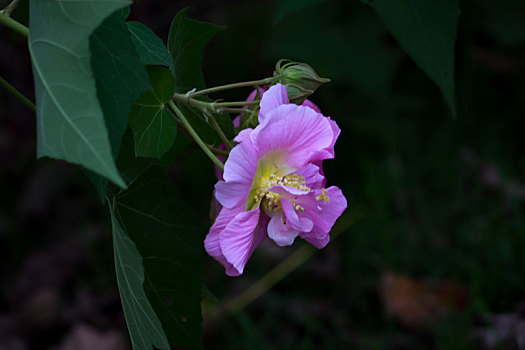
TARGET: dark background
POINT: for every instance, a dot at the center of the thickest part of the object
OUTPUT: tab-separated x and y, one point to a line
433	258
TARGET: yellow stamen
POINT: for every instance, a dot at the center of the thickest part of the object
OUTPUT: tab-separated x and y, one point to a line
271	201
323	196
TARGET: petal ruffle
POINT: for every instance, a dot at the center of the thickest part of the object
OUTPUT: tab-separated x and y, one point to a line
312	176
297	131
316	238
322	214
231	194
331	211
312	105
280	233
294	221
328	152
237	240
241	164
271	99
243	136
211	242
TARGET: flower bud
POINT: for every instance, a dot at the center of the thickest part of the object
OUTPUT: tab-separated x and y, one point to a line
300	79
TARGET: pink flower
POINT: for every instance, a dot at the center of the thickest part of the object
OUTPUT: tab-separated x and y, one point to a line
272	183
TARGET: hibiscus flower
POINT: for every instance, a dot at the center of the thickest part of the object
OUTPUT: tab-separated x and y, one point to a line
273	185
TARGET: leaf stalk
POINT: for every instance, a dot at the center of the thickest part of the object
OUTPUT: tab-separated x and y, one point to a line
11	23
233	86
17	93
194	135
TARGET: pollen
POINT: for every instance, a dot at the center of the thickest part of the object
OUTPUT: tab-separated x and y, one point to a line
271	200
323	196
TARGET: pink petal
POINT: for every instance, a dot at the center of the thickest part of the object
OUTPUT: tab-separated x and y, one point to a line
237	120
321	213
211	243
273	98
319	164
337	131
231	194
294	221
310	104
297	131
280	233
237	240
312	176
330	211
262	91
241	164
261	231
243	136
317	238
288	192
328	152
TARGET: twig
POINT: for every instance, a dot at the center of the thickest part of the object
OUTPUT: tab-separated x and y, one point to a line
194	134
14	25
17	93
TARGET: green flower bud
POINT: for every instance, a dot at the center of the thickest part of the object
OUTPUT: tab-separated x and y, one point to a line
300	79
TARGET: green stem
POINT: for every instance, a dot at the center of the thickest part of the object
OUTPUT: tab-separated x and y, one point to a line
18	94
195	136
235	104
235	110
11	7
187	100
219	152
212	106
205	107
217	128
14	25
233	86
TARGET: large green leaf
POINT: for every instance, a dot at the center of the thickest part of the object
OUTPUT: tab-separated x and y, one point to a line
119	74
187	38
154	127
287	7
169	238
150	47
144	326
426	30
70	121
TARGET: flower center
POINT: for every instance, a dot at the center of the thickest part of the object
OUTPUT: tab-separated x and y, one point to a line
271	201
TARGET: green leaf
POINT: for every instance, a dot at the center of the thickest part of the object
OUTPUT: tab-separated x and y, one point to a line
169	238
125	12
287	7
70	121
131	166
119	74
151	48
154	127
144	326
186	40
426	30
